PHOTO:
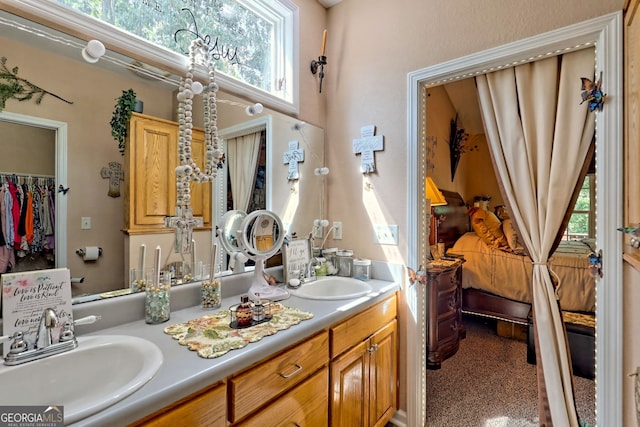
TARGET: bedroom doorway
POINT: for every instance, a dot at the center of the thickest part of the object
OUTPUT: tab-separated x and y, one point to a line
605	32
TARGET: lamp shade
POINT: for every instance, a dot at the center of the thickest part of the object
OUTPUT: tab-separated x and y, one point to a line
432	193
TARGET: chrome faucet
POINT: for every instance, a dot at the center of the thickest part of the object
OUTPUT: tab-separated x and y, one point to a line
19	351
48	321
311	270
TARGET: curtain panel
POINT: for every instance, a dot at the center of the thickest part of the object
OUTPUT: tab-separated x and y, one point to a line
242	158
539	136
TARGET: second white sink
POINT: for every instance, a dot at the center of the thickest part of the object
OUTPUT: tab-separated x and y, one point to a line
332	288
98	373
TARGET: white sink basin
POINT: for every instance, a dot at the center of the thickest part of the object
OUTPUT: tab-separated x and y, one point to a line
98	373
332	288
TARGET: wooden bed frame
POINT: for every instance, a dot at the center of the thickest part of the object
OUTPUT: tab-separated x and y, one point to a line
450	222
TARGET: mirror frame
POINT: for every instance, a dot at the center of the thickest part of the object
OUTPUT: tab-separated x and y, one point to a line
60	129
606	33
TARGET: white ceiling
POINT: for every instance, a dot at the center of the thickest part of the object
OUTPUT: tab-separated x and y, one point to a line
329	3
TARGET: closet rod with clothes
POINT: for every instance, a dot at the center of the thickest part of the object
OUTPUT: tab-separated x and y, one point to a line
27	202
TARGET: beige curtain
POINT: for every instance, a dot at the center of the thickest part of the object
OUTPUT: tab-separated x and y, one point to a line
539	135
242	154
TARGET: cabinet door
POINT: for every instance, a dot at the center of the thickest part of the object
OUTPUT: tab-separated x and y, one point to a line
200	192
383	374
350	388
151	191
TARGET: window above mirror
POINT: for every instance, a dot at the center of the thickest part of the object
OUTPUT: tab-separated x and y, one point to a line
254	41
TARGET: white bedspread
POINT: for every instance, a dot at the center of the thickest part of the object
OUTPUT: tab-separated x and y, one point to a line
508	275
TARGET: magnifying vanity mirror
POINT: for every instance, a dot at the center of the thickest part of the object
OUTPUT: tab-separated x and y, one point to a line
228	235
261	236
87	162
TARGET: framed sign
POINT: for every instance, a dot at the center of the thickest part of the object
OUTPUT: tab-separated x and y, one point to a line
295	256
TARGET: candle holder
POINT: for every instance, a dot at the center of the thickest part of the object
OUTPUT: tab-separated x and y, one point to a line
319	65
157	306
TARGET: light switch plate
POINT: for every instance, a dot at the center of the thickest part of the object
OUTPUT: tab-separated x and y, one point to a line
385	234
85	223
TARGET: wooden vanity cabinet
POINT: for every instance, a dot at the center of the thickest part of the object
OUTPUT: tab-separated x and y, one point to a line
364	367
151	156
207	408
444	313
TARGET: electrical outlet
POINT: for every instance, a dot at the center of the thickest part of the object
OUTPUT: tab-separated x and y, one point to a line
337	230
385	234
85	223
318	232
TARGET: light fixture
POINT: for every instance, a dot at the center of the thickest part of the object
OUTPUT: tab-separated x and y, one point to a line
298	125
321	61
93	51
256	108
433	193
321	171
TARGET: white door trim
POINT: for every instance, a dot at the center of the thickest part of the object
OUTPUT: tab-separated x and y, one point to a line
606	33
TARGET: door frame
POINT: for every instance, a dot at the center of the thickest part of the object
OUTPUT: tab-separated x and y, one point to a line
605	33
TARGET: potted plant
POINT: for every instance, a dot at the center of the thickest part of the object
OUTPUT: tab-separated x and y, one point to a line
125	105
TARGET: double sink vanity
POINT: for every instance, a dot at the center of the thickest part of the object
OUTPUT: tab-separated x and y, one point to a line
127	372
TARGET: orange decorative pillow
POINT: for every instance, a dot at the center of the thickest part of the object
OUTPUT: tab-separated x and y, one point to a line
512	237
489	228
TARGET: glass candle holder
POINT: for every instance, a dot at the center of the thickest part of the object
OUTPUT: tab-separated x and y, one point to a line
138	278
157	307
211	288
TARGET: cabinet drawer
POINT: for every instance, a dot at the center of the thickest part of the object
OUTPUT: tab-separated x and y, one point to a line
262	383
306	405
448	329
361	326
448	301
208	408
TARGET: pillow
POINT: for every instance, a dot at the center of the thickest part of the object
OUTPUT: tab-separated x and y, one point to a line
512	237
488	227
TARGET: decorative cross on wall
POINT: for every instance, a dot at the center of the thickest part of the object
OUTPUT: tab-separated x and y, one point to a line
293	157
114	174
366	146
184	222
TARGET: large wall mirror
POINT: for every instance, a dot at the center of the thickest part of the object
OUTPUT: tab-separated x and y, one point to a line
75	114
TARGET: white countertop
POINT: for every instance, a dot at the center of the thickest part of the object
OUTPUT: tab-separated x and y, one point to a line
183	372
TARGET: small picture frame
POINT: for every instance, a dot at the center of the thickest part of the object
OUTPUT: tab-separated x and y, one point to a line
296	255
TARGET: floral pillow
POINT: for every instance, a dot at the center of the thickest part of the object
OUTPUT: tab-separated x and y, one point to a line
489	228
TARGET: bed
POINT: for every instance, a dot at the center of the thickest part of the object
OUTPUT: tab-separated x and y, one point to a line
496	283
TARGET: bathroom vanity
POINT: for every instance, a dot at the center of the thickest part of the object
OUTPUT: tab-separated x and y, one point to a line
303	375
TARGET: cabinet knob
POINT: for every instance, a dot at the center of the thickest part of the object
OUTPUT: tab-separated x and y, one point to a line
372	349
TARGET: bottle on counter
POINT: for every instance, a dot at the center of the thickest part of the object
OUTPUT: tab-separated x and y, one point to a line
330	254
345	262
244	313
362	269
258	309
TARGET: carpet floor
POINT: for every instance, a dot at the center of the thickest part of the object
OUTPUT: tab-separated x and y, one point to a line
488	383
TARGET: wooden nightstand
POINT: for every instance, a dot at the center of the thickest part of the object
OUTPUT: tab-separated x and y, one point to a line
444	312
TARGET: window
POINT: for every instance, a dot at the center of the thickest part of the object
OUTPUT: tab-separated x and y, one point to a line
252	39
582	221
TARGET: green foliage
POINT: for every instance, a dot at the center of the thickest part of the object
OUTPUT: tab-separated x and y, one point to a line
14	87
234	26
121	115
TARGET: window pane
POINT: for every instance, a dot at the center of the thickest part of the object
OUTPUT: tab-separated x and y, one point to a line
240	38
578	225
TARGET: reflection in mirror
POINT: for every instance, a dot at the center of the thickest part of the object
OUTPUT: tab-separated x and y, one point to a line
261	235
93	217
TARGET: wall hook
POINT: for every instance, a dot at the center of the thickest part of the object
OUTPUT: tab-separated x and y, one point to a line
63	190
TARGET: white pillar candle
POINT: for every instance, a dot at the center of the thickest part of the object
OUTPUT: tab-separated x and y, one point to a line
214	250
193	256
156	265
143	253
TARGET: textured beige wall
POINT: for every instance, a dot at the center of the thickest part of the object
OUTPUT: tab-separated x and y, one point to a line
371	47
